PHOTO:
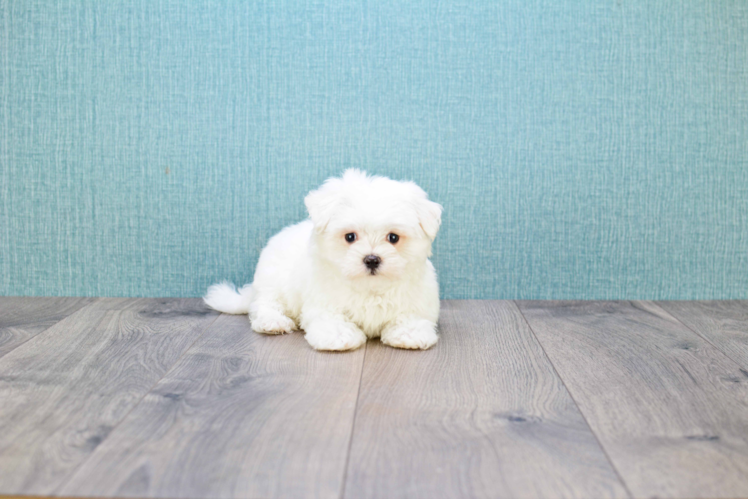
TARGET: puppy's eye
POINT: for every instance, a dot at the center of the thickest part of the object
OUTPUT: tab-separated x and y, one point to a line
393	238
350	237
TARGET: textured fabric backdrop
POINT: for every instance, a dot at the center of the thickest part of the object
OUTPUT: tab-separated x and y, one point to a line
581	149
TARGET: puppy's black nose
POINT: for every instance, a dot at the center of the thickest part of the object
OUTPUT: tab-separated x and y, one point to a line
372	261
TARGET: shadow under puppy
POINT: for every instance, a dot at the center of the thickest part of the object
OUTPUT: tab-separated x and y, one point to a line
358	268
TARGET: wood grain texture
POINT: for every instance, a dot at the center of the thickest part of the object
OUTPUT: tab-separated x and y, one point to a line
241	415
482	414
21	318
724	323
34	497
63	391
670	409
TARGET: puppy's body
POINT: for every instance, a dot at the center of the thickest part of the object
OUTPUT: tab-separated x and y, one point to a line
310	276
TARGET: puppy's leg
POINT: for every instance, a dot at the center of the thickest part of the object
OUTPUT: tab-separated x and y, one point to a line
327	332
410	333
267	316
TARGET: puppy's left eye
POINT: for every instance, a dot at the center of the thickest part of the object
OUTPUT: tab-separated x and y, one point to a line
350	237
393	238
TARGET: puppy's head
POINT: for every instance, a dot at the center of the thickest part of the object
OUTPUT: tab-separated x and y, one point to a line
373	227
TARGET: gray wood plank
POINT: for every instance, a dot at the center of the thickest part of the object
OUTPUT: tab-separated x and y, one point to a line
21	318
724	323
670	410
482	414
241	415
64	390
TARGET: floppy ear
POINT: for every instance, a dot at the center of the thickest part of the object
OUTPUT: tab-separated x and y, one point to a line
429	216
322	203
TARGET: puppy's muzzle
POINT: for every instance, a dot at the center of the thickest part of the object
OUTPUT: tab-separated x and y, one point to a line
372	262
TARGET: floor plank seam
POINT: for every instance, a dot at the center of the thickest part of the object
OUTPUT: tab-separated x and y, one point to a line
83	462
740	365
96	299
353	424
571	395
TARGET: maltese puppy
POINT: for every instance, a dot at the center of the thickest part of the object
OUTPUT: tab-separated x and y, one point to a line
358	268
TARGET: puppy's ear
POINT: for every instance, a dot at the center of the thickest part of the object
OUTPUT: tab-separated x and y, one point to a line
429	216
322	203
428	212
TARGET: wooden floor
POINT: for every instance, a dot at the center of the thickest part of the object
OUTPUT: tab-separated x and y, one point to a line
164	398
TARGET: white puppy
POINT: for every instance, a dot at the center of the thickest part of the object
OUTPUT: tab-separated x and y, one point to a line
359	268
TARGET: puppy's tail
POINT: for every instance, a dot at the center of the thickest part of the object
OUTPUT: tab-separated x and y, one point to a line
225	298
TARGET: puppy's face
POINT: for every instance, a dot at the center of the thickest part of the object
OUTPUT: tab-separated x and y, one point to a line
373	228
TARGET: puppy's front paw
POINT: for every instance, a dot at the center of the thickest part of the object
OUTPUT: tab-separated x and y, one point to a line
272	323
413	334
334	336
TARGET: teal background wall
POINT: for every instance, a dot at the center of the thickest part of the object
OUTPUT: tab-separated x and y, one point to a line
582	149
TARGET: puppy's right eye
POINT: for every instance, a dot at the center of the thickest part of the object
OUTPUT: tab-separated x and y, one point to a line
350	237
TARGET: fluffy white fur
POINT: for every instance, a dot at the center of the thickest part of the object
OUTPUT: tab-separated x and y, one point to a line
309	276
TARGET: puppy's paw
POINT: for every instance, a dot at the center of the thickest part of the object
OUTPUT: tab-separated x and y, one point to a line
272	323
334	336
412	334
